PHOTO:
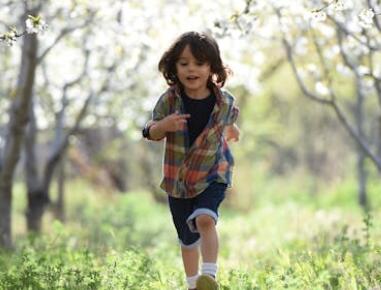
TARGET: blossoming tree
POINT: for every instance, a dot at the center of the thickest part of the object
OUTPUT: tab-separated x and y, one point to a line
334	50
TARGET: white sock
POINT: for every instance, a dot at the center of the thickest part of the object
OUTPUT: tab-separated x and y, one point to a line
191	281
209	269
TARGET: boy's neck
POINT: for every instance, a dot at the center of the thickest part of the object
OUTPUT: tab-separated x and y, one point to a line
198	95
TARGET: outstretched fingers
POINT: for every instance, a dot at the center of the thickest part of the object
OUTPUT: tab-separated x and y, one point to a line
182	116
181	119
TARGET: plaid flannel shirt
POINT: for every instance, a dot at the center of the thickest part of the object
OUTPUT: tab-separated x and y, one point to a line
188	170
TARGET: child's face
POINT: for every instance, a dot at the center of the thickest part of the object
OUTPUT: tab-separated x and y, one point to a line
193	74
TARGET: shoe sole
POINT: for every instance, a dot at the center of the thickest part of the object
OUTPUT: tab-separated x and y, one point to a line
205	282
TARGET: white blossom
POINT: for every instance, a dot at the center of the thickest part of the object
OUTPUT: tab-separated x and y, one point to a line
326	30
335	49
313	70
9	38
221	28
35	25
321	89
377	72
318	16
343	70
285	25
311	67
363	70
366	18
301	46
339	5
367	87
246	23
354	26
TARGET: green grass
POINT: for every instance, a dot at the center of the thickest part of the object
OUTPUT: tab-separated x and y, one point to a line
113	241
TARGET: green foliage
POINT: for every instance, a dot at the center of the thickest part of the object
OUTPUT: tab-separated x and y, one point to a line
42	267
129	222
128	242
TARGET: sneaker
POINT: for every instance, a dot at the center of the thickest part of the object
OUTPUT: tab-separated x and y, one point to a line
205	282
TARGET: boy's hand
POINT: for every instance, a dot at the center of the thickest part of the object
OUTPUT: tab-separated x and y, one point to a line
232	132
174	122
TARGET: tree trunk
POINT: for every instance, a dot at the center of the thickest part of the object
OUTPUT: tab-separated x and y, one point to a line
362	179
37	194
18	121
379	140
37	200
59	206
361	170
5	216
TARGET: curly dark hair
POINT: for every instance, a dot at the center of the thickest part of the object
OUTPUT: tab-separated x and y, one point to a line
204	48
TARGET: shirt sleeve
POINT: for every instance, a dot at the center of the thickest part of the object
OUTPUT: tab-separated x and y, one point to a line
233	110
161	108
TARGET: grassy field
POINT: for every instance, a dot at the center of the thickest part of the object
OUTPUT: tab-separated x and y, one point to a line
115	241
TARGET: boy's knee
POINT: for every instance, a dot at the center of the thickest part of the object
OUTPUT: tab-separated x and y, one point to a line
204	222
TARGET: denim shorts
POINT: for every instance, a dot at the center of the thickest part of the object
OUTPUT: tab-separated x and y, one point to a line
185	210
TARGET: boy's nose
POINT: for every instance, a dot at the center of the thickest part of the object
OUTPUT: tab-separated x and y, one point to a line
191	67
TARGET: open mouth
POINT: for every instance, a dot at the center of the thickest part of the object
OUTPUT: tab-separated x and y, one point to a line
192	78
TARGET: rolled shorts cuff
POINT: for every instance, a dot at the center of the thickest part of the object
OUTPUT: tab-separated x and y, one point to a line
200	211
191	246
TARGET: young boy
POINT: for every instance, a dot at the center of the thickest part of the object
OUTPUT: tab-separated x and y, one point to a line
197	119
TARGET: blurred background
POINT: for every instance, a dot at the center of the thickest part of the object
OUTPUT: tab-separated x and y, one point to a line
79	80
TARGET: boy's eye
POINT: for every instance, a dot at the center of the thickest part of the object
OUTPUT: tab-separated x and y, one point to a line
183	63
200	63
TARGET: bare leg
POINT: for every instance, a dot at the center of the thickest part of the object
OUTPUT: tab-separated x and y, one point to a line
209	238
190	260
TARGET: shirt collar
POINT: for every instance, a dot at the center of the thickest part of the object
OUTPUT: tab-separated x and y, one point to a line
215	90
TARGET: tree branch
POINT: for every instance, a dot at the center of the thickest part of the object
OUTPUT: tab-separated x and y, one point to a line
323	64
347	32
60	149
295	71
376	21
332	103
376	80
272	69
64	32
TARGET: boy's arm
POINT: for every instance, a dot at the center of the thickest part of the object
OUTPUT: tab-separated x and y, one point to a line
171	123
156	131
232	132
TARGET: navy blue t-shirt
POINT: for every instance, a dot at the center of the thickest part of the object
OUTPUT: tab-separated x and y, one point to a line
200	111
